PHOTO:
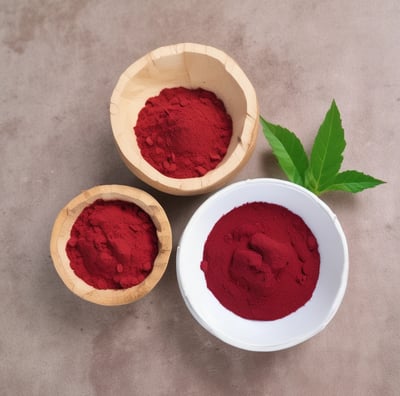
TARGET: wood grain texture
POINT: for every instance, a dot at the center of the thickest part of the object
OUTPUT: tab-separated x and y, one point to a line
191	66
61	234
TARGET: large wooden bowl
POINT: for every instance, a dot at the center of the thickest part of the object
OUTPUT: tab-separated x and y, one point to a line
190	66
61	234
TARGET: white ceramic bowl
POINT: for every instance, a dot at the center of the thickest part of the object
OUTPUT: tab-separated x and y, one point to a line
264	335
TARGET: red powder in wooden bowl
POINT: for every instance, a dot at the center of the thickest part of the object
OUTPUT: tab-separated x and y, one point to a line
113	245
183	132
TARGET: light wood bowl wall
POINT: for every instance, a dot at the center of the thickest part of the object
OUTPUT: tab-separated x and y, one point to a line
62	230
191	66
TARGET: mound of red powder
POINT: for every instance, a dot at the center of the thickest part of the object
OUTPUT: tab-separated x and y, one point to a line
183	132
113	245
261	261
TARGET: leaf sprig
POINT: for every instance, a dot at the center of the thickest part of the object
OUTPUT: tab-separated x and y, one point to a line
320	172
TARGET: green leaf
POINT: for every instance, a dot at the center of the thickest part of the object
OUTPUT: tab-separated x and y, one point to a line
353	181
327	152
288	150
321	173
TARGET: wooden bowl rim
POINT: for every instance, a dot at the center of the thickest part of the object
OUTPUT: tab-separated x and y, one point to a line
61	233
246	140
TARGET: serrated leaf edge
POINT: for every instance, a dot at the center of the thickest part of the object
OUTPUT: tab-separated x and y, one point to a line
320	186
337	187
298	175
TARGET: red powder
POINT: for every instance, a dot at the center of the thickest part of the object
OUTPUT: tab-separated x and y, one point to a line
113	245
183	132
261	261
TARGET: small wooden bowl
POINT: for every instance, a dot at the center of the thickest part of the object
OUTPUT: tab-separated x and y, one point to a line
61	234
190	66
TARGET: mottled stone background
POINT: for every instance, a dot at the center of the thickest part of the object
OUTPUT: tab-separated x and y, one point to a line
59	62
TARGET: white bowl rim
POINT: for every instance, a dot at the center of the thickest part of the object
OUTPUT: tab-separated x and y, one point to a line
201	211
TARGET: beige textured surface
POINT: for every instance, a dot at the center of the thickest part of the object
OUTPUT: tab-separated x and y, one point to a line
59	63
